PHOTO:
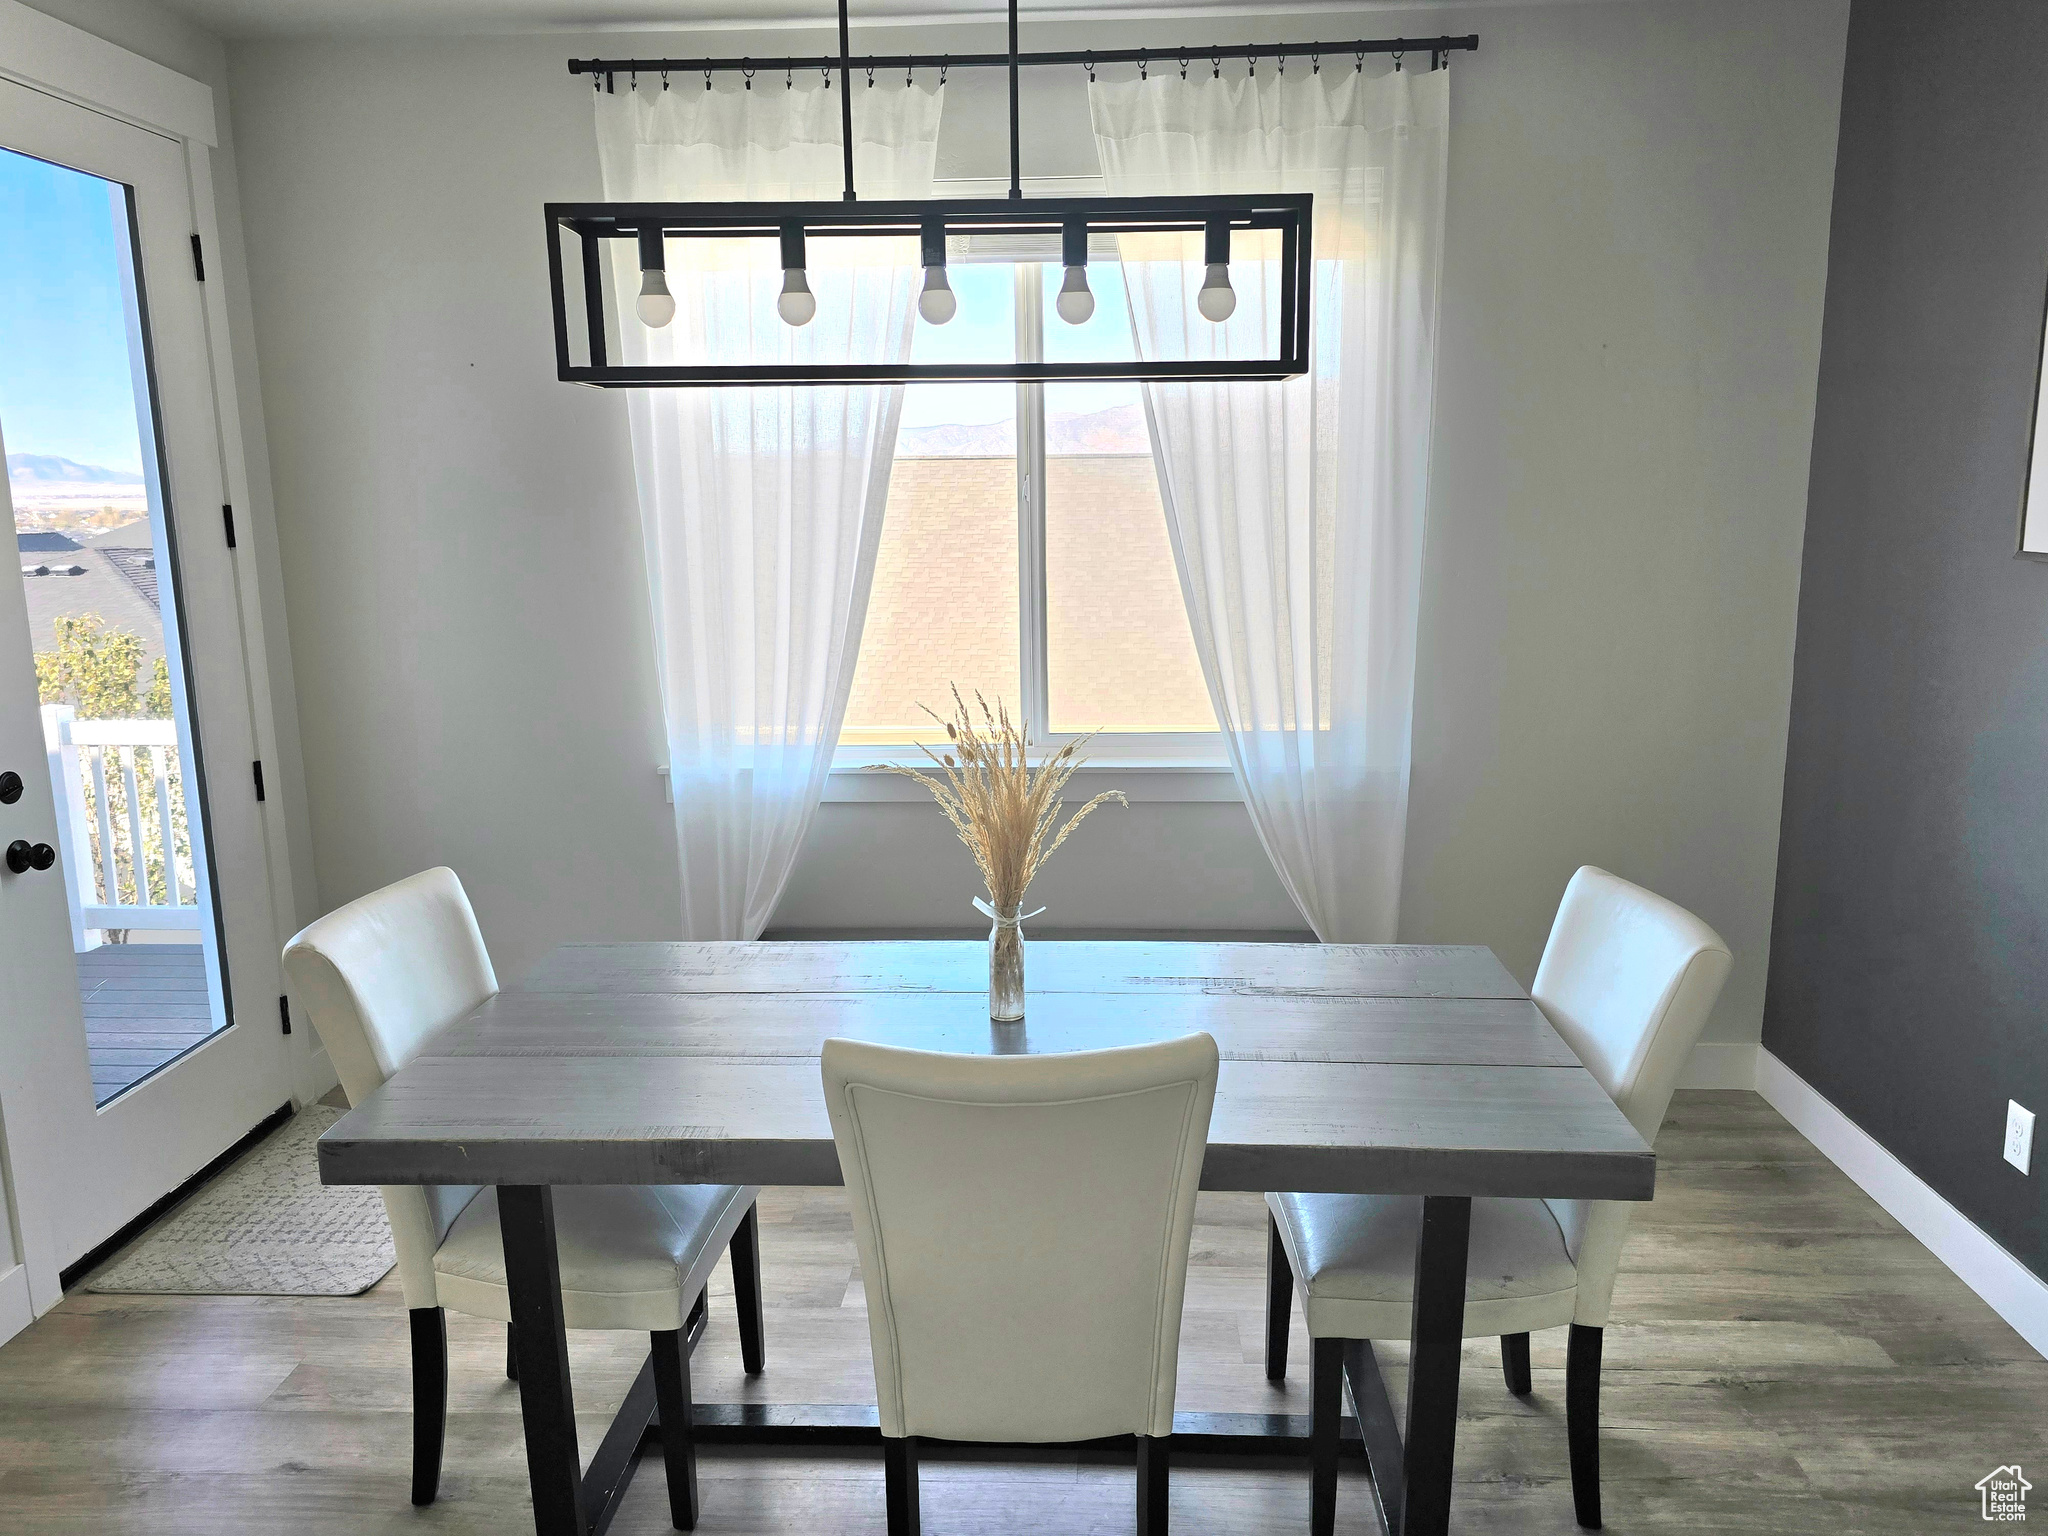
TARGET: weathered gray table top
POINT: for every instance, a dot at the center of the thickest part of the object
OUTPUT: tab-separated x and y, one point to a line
1392	1068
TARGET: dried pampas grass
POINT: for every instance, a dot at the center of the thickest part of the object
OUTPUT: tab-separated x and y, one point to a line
1006	812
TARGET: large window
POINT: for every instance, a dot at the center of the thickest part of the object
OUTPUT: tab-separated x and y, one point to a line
1024	552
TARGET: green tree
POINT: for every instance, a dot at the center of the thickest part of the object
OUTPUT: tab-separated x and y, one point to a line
156	704
94	669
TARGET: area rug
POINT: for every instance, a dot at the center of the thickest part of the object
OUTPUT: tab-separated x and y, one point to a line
264	1226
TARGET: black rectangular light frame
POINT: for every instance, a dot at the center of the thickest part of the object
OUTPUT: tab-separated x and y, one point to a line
594	223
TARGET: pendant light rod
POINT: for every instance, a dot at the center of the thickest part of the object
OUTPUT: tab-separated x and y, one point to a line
1331	52
1016	153
846	97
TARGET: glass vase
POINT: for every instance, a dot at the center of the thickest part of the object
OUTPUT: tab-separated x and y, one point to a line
1006	968
1005	961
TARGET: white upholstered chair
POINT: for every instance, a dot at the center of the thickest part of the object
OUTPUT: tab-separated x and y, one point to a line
1023	1224
381	976
1628	979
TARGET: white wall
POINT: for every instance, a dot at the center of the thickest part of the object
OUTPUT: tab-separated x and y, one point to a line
1637	245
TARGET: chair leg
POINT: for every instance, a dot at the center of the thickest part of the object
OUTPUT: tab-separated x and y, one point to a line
1326	1399
1279	1300
1514	1362
1152	1484
429	1399
678	1437
511	1355
1582	1421
745	1249
899	1479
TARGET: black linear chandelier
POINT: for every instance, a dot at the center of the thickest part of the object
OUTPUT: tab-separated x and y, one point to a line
1069	220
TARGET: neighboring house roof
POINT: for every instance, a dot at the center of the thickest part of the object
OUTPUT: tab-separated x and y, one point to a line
42	543
139	566
123	598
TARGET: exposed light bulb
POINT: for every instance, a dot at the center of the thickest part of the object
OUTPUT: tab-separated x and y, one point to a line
797	304
937	303
1218	300
656	306
1075	302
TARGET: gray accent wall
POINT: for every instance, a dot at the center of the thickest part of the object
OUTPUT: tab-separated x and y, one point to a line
1909	952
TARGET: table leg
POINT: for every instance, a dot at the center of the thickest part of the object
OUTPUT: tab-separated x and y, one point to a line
526	1223
1435	1339
1378	1429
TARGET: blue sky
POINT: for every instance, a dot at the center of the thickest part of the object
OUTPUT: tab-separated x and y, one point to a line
65	387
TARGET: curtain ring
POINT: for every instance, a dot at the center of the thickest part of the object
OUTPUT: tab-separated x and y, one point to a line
825	73
1088	63
788	78
633	81
1315	62
744	70
944	65
1183	66
1216	64
611	83
871	77
1361	61
664	80
707	79
908	82
1283	64
1144	67
1397	61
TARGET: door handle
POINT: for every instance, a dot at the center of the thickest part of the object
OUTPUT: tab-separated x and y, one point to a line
23	856
10	787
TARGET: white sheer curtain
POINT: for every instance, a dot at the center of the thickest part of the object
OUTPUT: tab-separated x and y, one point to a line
761	508
1295	509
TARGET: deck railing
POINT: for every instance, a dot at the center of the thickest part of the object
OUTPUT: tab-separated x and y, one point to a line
122	820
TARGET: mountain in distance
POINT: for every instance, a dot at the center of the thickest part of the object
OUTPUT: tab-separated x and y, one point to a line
1118	430
958	440
48	469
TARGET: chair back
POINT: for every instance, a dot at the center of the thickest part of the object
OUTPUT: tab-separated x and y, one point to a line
383	974
1628	979
379	978
1023	1226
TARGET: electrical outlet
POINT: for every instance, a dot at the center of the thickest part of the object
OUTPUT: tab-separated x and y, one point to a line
2019	1136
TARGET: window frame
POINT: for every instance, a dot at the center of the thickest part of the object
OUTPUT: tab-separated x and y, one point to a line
1178	760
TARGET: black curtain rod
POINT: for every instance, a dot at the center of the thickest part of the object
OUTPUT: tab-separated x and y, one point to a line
845	62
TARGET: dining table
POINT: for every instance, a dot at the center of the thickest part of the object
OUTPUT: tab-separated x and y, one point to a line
1405	1069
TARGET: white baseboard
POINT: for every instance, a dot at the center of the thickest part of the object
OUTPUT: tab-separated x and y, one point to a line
1720	1064
15	1311
2013	1291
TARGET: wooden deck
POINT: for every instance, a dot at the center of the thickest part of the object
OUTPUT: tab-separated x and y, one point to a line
145	1005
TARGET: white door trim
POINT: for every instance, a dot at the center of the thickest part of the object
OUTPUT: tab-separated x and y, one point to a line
56	57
